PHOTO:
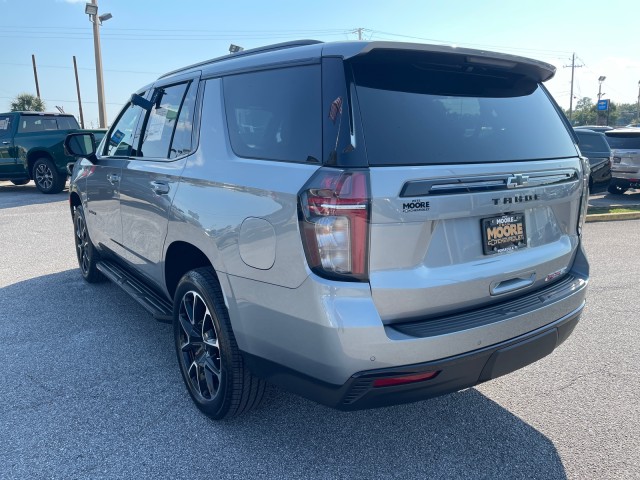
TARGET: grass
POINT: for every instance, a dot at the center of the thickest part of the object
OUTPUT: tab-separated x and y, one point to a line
599	210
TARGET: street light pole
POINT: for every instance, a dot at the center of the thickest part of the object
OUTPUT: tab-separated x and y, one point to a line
601	79
92	10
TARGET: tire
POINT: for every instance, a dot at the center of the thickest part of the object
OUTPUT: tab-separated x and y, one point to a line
47	178
616	189
20	182
210	362
85	251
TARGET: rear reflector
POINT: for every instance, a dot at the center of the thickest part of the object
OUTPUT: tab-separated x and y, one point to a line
418	377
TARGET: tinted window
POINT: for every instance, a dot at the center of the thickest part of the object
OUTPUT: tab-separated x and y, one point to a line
624	142
67	123
415	114
5	126
161	121
49	124
592	143
275	114
122	133
30	124
181	144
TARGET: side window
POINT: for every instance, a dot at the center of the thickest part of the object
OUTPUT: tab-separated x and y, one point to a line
121	135
182	139
30	124
275	114
5	126
161	121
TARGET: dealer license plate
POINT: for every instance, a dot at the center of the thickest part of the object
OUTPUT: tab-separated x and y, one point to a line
505	233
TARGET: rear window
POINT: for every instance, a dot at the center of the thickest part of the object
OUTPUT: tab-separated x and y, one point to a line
628	141
592	143
419	114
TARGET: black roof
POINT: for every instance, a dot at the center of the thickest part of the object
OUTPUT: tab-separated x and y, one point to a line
311	51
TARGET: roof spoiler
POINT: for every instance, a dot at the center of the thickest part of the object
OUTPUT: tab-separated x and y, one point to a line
534	69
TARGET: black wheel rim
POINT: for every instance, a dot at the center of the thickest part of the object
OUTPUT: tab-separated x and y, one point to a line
82	244
44	176
199	347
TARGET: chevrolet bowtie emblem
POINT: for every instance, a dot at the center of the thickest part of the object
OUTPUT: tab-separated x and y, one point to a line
517	180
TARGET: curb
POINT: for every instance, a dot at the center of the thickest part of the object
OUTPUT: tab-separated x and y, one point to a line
612	217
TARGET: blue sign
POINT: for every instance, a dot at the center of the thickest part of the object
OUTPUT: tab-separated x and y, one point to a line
603	105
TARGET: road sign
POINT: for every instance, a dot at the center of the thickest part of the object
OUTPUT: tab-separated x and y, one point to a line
603	104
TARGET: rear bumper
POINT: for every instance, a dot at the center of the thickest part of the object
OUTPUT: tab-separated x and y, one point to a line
325	339
454	373
626	180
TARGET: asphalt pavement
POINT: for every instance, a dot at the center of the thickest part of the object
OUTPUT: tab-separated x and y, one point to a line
90	387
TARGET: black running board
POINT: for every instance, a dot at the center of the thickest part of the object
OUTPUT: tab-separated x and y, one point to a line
159	307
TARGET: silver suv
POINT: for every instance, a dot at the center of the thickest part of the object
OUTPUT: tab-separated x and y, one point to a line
625	170
362	223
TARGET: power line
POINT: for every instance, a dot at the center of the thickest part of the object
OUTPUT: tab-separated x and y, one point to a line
449	42
79	68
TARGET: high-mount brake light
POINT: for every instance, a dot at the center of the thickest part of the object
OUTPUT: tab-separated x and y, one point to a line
334	223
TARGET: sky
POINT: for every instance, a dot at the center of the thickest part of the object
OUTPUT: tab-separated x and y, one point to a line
146	38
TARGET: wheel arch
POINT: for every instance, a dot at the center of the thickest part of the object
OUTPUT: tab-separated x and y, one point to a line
74	201
34	155
181	257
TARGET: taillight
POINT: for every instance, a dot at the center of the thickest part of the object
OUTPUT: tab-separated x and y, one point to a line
334	212
584	201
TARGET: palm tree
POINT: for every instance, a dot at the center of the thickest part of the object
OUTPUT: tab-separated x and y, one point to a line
27	103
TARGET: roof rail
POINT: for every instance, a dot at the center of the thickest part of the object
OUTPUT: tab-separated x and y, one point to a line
243	53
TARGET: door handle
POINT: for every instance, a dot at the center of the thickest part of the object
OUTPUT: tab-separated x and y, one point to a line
160	188
513	284
113	178
6	143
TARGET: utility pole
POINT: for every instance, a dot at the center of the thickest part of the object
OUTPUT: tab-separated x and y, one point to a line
359	30
573	67
75	69
35	74
96	20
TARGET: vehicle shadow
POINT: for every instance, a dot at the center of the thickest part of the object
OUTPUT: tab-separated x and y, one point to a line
87	366
12	196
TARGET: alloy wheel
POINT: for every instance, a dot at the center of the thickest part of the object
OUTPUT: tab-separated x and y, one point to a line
82	244
199	346
44	176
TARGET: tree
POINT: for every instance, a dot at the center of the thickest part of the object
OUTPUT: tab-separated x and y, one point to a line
27	103
584	113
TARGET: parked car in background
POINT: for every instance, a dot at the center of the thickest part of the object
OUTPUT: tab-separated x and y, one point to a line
362	223
32	148
594	146
625	170
633	125
595	128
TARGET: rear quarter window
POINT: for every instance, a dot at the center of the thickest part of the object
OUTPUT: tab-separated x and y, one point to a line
275	114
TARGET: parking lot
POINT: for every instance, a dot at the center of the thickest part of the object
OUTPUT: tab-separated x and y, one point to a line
90	386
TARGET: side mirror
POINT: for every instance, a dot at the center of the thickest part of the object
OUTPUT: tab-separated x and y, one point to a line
142	102
81	145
